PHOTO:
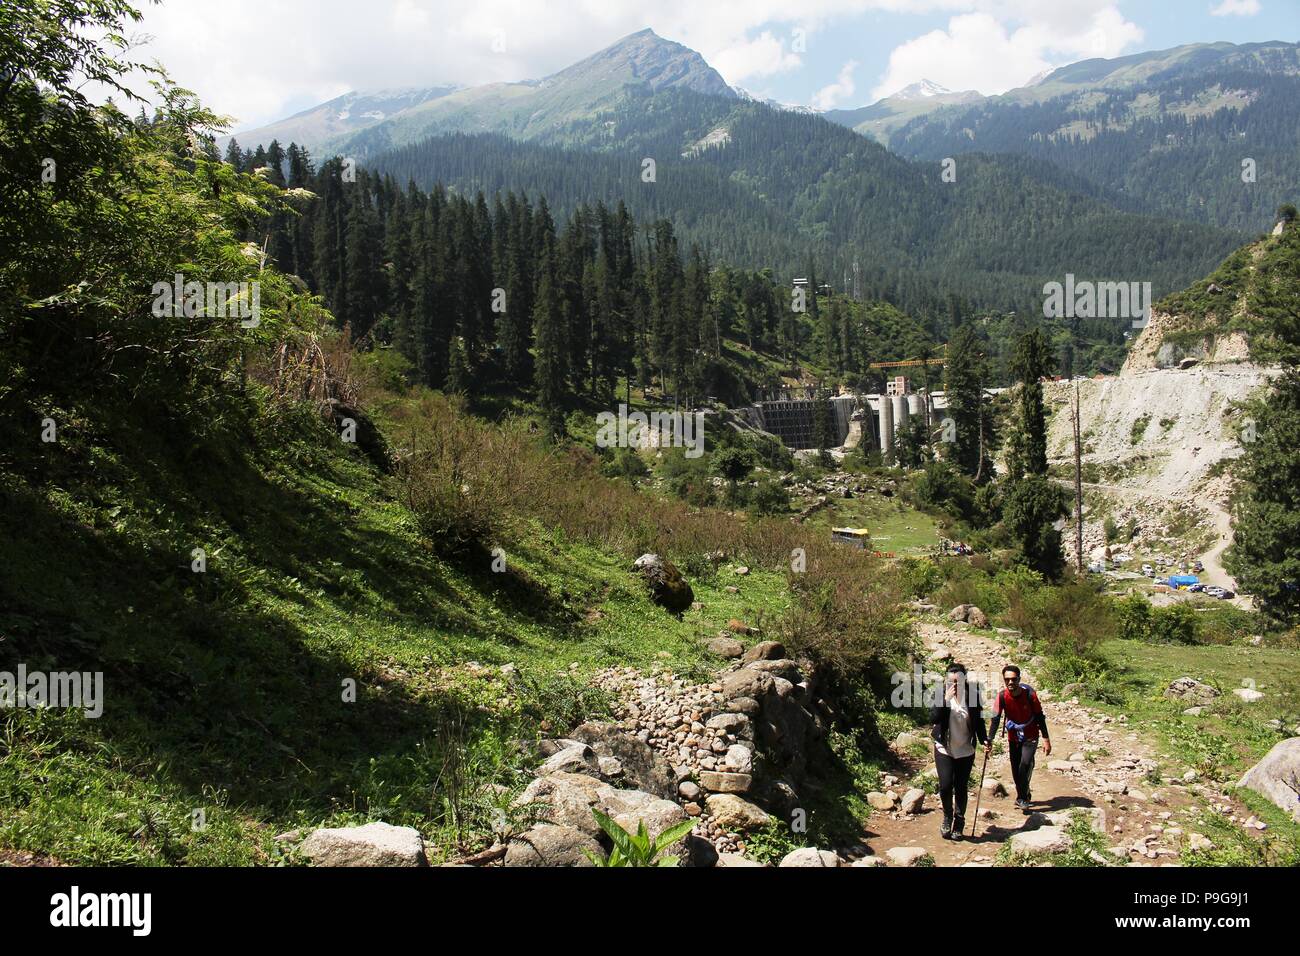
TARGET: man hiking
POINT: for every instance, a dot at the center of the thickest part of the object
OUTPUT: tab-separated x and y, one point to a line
1025	723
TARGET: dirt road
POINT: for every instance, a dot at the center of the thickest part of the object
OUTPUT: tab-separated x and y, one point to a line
1097	765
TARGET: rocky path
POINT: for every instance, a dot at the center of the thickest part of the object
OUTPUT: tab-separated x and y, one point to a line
1097	765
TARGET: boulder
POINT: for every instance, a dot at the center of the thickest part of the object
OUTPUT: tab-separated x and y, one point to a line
667	587
1277	774
718	782
698	852
912	801
739	627
727	647
778	796
576	759
1041	840
746	706
1191	691
906	855
736	860
629	808
881	801
566	799
548	845
644	768
746	683
783	668
809	856
549	747
969	614
739	759
1248	694
765	651
374	844
736	724
735	813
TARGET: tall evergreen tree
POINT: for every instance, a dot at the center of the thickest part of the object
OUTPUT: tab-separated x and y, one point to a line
1027	440
548	327
964	390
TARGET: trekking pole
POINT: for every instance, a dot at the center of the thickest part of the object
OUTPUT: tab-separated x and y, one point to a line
974	823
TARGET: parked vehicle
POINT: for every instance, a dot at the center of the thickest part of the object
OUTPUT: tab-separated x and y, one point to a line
853	537
1226	595
1214	590
1198	567
1147	570
1196	588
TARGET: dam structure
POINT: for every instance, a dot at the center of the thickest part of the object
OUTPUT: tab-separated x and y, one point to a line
790	414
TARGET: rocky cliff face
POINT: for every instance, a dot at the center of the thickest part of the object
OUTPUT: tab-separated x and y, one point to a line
1158	430
1153	349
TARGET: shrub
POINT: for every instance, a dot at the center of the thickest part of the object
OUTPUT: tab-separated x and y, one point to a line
450	477
919	577
769	497
1175	624
627	464
1134	616
941	486
1068	621
845	614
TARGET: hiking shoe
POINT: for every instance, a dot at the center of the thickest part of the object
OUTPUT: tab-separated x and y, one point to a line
945	829
958	828
1023	804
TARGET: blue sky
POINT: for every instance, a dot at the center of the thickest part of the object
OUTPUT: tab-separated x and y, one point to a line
869	39
259	61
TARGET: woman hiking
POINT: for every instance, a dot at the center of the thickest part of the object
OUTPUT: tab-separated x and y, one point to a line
956	724
1025	723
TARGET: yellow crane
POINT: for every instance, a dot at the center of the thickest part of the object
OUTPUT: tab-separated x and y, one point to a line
908	363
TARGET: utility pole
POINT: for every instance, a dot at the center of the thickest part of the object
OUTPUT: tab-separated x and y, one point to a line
1078	482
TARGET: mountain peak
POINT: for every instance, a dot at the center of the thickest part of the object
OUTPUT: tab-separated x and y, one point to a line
646	58
921	90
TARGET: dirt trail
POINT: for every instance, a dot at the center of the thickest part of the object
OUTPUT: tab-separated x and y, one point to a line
1113	779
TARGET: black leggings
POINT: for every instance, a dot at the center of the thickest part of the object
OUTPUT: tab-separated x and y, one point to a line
1022	764
954	780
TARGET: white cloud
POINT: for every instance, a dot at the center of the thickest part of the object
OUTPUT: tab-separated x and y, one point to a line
1236	8
762	56
979	51
259	61
830	96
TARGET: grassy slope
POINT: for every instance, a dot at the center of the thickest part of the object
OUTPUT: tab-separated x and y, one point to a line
224	689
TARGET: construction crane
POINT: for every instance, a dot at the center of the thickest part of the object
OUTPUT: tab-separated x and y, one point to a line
908	363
